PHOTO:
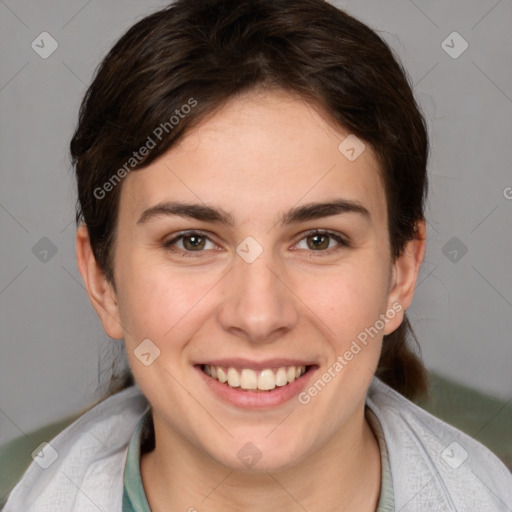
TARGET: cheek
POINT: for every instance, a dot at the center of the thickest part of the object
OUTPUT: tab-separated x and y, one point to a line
165	309
159	302
351	301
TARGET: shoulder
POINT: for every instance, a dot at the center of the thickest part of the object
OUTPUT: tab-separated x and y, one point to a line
84	464
435	466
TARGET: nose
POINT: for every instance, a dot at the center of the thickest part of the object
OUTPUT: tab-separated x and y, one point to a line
258	303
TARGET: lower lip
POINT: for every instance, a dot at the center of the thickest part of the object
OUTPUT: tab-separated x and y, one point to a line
257	399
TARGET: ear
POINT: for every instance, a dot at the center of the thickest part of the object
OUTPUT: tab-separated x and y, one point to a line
404	276
101	293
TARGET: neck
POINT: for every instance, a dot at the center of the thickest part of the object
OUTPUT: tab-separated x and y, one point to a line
343	475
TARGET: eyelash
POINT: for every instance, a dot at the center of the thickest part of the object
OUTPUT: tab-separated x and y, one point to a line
168	245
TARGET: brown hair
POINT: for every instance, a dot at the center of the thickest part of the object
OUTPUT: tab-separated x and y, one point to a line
203	52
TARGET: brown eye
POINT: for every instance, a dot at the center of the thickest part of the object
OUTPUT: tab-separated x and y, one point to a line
322	242
318	241
191	242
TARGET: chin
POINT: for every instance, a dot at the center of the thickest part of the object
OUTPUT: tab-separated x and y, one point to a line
261	456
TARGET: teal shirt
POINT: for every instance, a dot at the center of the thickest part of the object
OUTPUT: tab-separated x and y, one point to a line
134	497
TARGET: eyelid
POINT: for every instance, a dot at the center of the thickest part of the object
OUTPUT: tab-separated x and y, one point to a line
176	237
338	237
187	232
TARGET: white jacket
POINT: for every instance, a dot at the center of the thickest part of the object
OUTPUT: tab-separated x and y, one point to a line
434	467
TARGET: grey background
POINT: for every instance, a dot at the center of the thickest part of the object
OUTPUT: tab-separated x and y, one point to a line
54	352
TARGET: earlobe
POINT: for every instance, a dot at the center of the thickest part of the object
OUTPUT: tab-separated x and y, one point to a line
101	293
405	275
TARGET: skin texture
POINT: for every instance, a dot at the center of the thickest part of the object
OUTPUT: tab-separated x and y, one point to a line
258	156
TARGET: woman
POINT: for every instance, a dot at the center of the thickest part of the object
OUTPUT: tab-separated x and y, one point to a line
251	177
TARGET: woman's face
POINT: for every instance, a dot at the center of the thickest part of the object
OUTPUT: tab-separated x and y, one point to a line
261	292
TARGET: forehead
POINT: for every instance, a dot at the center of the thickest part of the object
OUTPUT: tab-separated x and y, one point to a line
263	150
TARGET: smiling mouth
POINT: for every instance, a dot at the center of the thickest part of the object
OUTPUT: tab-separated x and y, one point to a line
246	379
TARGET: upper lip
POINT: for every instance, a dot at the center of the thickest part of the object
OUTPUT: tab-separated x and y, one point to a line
256	365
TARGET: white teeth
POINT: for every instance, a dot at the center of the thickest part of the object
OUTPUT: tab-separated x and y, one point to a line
233	378
281	379
221	374
246	378
266	380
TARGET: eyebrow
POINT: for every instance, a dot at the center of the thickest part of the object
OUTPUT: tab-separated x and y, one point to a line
310	211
